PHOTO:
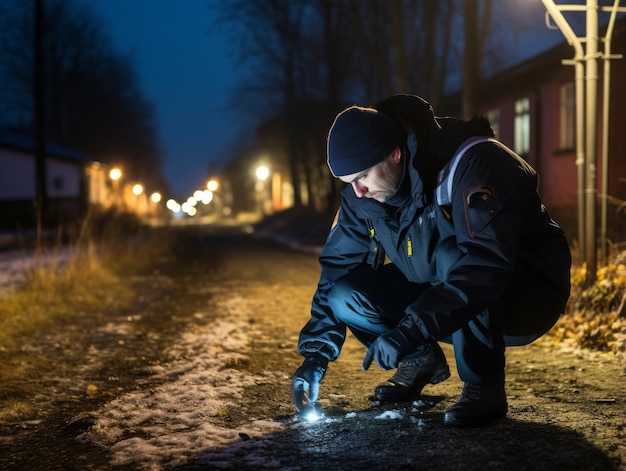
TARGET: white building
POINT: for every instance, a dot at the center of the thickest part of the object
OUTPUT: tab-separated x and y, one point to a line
73	182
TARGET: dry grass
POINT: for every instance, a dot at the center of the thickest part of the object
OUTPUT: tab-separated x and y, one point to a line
596	316
76	278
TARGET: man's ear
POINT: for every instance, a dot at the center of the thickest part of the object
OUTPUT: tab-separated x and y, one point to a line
396	155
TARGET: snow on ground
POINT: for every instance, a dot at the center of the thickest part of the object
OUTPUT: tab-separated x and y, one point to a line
172	423
14	264
12	267
178	421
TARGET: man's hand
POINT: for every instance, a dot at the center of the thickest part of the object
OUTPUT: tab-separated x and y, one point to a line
308	377
387	349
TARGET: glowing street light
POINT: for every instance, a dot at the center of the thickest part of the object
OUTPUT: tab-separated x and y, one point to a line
207	196
212	185
262	172
137	189
173	206
115	174
155	197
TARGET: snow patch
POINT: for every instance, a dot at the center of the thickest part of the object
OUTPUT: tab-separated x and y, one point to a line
391	414
178	421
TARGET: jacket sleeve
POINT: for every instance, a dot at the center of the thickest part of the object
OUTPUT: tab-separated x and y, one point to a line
346	248
494	208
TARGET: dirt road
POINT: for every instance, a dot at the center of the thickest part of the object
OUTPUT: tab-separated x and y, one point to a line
195	374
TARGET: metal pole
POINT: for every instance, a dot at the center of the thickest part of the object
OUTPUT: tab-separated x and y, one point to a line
606	89
579	56
39	122
591	92
580	152
605	159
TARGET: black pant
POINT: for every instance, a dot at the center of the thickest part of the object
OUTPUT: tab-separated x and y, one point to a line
370	302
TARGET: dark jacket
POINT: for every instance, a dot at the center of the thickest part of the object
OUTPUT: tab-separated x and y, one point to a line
469	222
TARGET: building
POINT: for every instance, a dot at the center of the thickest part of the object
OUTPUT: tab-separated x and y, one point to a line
74	184
532	109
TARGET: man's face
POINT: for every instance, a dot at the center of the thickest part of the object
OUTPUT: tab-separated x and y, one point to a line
379	182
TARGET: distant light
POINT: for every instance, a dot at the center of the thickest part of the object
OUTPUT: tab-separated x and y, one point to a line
262	172
137	189
172	205
192	201
190	210
156	197
212	185
197	195
207	196
115	174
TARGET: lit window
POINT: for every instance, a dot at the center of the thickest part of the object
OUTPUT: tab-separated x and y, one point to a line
493	115
567	127
522	126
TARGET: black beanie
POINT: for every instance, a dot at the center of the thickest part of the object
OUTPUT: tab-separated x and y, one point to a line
359	139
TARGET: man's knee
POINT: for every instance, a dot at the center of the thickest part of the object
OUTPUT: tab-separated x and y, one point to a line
339	294
351	305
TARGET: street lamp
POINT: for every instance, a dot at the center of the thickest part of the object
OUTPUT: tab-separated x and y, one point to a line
137	189
212	185
262	174
115	175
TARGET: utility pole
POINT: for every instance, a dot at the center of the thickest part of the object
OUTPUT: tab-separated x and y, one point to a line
471	58
591	141
585	60
39	121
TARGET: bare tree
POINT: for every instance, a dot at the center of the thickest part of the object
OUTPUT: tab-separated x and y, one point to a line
476	29
92	99
271	44
308	59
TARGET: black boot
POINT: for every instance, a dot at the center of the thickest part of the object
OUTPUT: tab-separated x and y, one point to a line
413	374
479	404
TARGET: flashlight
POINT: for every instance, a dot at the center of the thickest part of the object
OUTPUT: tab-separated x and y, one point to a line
311	412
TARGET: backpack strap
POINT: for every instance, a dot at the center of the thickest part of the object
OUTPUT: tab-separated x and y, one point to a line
443	192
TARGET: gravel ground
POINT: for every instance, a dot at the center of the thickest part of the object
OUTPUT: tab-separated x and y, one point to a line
566	407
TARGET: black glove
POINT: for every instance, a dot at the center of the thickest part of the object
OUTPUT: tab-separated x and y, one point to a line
308	377
388	348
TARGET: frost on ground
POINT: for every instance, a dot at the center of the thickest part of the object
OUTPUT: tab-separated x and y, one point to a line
174	423
171	423
14	264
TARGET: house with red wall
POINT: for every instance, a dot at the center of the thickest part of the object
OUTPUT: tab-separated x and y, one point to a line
532	109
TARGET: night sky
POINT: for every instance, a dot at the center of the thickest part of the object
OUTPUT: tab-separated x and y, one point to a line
186	71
